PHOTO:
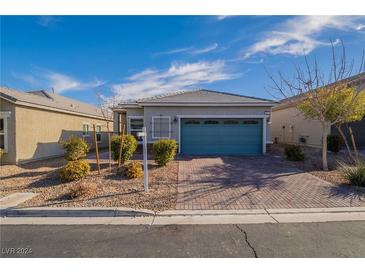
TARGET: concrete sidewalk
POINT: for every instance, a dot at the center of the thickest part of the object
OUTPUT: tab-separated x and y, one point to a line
127	216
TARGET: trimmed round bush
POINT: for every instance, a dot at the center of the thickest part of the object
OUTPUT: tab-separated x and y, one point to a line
294	153
334	143
74	170
128	149
355	174
133	170
75	148
164	151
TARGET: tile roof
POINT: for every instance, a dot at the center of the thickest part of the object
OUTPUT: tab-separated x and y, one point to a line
46	99
201	96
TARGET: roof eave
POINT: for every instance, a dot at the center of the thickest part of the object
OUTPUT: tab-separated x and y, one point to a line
27	104
182	104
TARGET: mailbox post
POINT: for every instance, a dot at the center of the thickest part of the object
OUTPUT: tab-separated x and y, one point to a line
143	134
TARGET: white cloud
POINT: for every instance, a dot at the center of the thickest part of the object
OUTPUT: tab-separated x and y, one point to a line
177	77
174	51
47	21
206	49
190	50
300	35
223	17
59	82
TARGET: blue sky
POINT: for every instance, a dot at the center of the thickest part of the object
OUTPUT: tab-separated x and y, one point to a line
137	56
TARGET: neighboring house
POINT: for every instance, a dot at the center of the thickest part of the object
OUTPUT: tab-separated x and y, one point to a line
203	122
33	123
290	126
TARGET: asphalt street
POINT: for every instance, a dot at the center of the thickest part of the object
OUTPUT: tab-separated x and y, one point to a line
333	239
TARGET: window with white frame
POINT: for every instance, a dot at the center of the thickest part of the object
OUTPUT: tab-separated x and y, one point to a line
161	127
98	133
85	129
4	131
135	125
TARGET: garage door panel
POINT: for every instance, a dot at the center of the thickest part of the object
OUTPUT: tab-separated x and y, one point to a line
221	136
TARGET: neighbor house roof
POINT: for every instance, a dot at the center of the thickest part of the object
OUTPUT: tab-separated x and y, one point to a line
50	101
357	81
200	97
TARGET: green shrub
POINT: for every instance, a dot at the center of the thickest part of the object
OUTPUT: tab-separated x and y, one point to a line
294	153
164	151
75	148
128	149
334	143
134	170
355	174
1	152
74	170
82	189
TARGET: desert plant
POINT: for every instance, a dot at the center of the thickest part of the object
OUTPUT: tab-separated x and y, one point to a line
128	149
294	153
74	170
75	148
164	151
1	152
134	170
334	143
82	188
355	174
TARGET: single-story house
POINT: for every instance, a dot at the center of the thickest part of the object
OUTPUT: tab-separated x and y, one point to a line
33	123
203	122
290	126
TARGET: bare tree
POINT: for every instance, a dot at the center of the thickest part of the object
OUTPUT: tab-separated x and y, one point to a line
317	92
105	105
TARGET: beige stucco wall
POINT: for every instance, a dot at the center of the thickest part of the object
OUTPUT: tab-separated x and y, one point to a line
38	132
10	156
148	112
296	126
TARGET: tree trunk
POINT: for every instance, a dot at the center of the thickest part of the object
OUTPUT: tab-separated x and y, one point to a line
345	141
96	150
354	145
109	144
324	147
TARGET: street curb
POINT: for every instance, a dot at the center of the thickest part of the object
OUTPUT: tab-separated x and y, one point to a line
127	216
49	212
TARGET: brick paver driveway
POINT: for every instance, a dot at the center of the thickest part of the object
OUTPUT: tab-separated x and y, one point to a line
256	182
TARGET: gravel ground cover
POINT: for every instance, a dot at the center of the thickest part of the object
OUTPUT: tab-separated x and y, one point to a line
113	188
313	163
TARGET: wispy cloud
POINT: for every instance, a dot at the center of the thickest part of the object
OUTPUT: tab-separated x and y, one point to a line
47	21
152	82
223	17
174	51
206	49
190	50
302	34
44	78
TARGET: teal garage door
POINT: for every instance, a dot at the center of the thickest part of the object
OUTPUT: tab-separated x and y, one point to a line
221	136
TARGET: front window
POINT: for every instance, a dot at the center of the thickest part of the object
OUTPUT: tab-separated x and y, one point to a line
211	122
161	127
2	134
135	126
85	130
98	133
4	131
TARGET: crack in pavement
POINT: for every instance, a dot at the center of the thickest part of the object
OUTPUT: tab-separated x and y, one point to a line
246	240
